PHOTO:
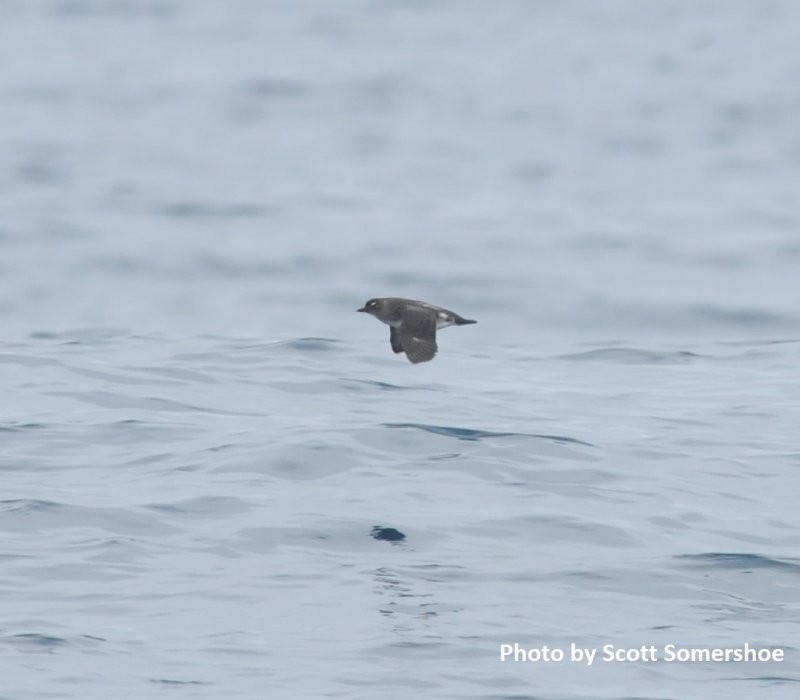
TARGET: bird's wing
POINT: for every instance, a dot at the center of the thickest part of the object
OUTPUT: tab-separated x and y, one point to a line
394	339
418	334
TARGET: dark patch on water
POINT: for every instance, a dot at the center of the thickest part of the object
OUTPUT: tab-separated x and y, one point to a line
18	428
92	336
43	335
387	534
474	435
222	448
271	88
34	641
632	356
383	386
172	682
741	317
203	210
742	561
758	343
28	505
311	343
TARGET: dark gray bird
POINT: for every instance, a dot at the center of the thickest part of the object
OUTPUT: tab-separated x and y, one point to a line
412	324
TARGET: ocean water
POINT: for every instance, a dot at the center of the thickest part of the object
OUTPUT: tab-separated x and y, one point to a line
217	479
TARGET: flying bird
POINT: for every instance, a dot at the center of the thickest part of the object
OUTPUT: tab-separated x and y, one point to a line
413	324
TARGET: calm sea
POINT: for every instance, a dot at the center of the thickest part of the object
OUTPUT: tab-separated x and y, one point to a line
217	479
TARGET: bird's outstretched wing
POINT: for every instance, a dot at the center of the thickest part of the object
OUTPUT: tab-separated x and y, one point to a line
418	335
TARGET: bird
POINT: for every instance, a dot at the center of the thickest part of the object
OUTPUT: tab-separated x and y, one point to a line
413	324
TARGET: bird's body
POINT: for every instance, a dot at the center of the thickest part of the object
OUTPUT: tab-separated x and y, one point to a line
413	324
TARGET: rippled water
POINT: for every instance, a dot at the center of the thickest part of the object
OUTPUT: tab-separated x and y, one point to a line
219	480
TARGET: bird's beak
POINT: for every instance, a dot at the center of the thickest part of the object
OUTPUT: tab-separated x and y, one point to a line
362	309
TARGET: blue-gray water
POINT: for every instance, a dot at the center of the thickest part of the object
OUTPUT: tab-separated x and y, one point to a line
198	435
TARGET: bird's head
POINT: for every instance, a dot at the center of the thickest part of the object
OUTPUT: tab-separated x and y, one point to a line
373	306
